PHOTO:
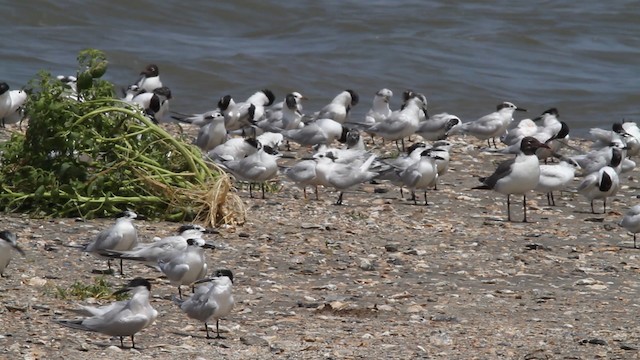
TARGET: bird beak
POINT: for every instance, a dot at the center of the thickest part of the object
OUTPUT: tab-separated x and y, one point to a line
203	280
438	158
19	249
207	245
121	291
521	109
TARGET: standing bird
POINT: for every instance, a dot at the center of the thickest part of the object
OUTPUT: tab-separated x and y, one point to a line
600	185
436	126
422	174
8	240
121	236
401	123
518	175
303	174
489	126
258	167
121	318
342	176
556	177
631	222
212	300
12	106
380	109
213	133
184	267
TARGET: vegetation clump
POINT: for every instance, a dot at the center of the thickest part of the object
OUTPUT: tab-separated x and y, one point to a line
87	153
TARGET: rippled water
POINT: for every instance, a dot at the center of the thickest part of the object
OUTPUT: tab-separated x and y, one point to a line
466	56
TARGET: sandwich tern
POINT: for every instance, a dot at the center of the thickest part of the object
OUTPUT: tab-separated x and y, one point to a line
184	267
8	240
338	109
121	318
119	237
631	222
556	177
489	126
211	300
436	127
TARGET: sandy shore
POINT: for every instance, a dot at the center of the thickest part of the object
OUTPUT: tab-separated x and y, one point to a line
378	277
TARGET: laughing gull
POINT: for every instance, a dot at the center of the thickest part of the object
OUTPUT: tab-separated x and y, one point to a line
122	318
517	176
212	300
149	79
631	222
8	241
600	185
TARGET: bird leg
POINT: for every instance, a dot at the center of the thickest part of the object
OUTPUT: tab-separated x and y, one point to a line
133	343
250	192
121	272
304	192
425	198
634	240
262	188
508	207
218	330
121	342
524	207
604	206
592	211
339	202
207	329
180	292
317	198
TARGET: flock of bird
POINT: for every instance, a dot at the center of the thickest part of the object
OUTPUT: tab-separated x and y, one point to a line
245	138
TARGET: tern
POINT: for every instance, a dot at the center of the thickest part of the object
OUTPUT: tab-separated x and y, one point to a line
212	300
121	318
8	241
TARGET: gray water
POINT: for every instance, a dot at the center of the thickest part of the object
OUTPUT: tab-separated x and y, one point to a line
466	56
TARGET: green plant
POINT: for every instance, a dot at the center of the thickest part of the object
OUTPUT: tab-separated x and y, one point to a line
92	155
100	289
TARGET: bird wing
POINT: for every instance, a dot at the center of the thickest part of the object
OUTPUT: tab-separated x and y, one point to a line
501	171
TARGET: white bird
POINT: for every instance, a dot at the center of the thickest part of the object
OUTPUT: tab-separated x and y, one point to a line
213	300
247	113
549	120
321	131
380	109
287	117
258	167
441	149
234	149
303	174
274	140
121	318
119	237
421	175
161	248
556	177
14	111
631	222
594	160
8	241
5	99
155	104
129	93
401	123
149	79
184	267
489	126
526	127
213	133
633	140
342	176
436	126
517	176
338	109
400	163
600	185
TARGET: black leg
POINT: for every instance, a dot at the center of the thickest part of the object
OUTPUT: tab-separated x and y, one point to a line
218	330
413	196
401	192
592	211
489	142
250	192
524	207
180	292
262	188
121	272
508	207
207	329
553	201
121	342
317	198
339	202
109	264
133	343
425	198
634	240
494	143
604	206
